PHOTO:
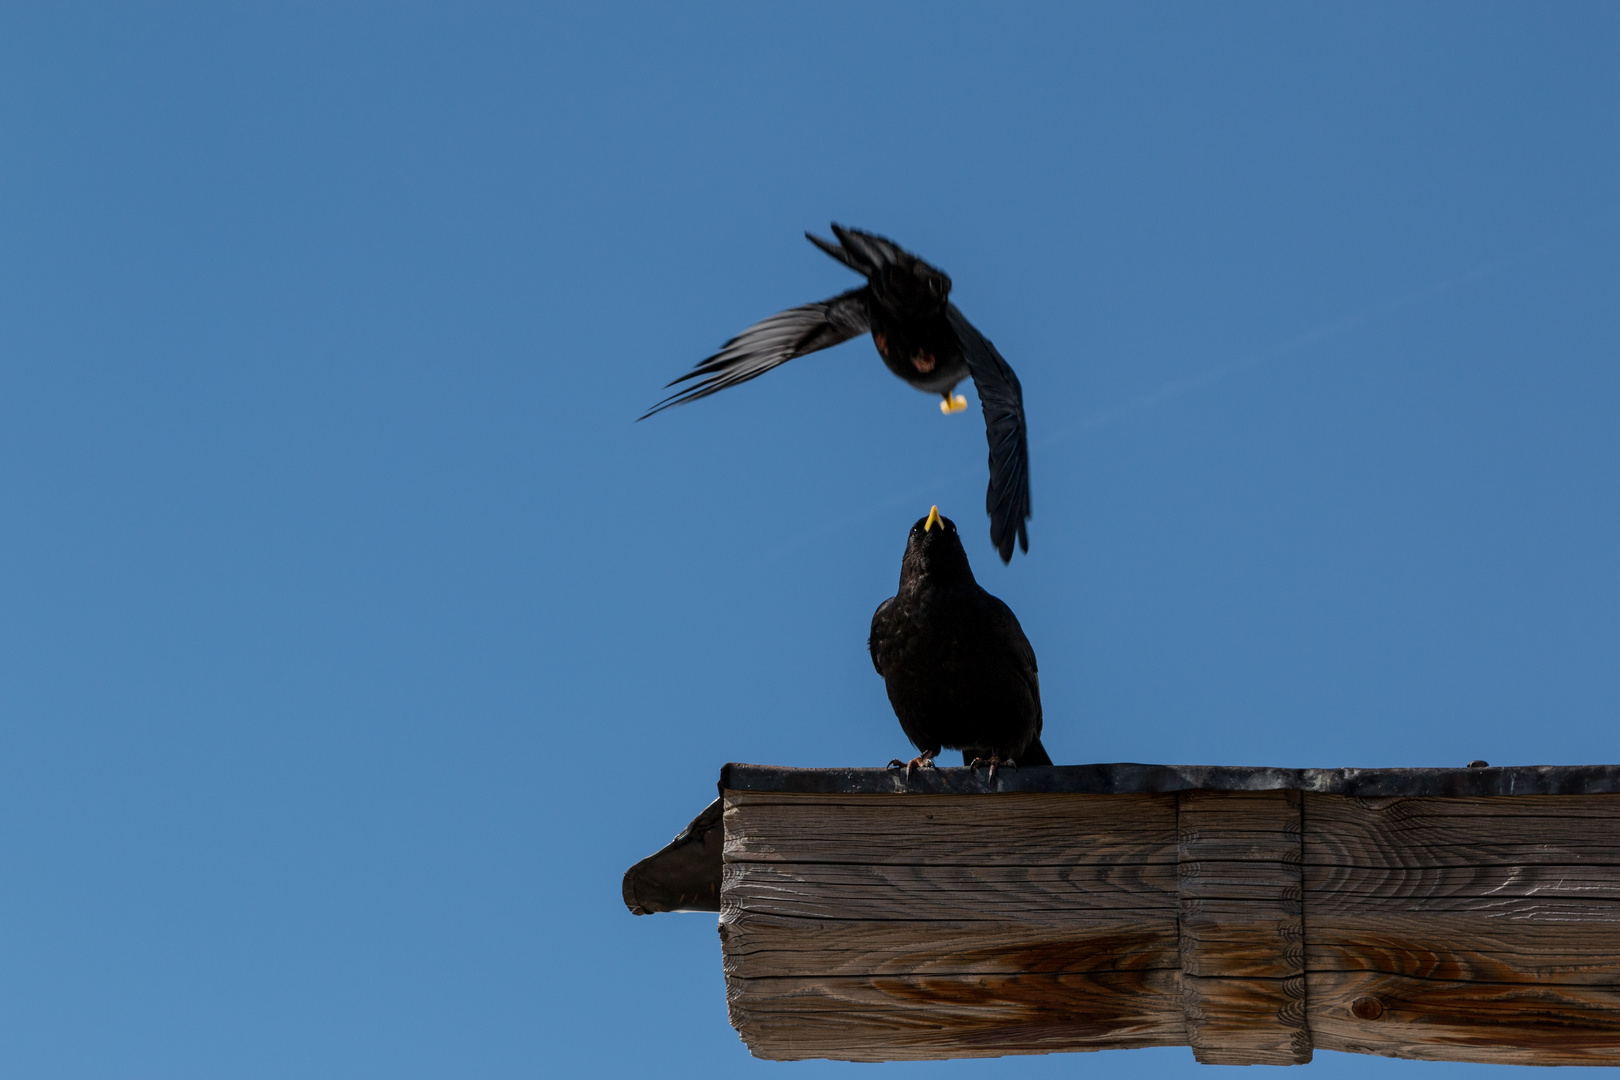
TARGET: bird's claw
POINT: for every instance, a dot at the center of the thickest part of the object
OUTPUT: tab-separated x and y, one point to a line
953	404
921	761
993	762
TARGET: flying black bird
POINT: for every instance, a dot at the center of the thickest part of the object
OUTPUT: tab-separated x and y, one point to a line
958	668
921	337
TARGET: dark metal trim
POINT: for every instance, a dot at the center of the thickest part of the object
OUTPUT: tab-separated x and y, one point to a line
1127	778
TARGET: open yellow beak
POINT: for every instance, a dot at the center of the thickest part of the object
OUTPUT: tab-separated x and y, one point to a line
933	520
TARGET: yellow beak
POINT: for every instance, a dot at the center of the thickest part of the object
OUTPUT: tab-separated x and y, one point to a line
933	519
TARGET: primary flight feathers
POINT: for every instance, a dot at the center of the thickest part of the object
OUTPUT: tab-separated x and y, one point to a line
921	337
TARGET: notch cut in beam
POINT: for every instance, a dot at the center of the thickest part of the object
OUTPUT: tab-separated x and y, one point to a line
1240	927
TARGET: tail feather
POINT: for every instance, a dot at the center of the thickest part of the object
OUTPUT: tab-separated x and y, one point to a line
1034	754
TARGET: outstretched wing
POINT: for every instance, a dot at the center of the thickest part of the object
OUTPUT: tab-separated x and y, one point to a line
773	341
1003	400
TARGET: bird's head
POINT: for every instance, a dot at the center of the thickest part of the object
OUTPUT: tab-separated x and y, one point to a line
934	552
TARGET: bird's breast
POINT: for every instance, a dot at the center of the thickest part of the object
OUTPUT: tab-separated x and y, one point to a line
898	351
929	361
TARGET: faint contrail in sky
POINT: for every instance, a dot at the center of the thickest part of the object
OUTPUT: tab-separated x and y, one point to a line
1324	332
915	494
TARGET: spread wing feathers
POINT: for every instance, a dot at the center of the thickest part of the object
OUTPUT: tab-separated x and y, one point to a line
862	252
769	342
1007	500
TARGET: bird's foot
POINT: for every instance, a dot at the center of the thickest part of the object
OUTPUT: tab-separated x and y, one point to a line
921	761
953	403
994	762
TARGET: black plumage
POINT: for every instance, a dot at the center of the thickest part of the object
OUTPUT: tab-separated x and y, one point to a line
921	337
959	670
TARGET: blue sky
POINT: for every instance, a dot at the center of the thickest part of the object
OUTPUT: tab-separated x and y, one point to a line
353	640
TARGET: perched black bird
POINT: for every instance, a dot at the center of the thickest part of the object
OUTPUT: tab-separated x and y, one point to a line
921	337
958	668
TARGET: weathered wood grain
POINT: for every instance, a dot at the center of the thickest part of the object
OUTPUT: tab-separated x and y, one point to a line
1247	1021
1236	879
919	1017
773	946
1465	929
1478	891
984	893
1538	1023
1542	808
952	830
1525	953
1585	882
1242	939
1241	927
1250	925
950	926
1534	830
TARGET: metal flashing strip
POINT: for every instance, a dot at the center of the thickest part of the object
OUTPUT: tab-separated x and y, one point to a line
1129	778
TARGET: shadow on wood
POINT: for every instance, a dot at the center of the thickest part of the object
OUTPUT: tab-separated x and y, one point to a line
1251	914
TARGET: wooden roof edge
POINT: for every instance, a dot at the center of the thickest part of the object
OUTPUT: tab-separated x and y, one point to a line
1131	778
685	874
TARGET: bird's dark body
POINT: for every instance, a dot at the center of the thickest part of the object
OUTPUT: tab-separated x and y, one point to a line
922	351
922	338
958	669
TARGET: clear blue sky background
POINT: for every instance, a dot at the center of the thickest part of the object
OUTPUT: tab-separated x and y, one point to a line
353	640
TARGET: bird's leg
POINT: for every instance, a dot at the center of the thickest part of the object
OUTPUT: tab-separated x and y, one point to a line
993	761
921	761
953	403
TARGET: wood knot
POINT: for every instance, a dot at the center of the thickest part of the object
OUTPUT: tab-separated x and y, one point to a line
1367	1008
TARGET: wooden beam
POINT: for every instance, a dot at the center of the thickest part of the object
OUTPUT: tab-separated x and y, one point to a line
1242	939
1461	915
1465	929
950	926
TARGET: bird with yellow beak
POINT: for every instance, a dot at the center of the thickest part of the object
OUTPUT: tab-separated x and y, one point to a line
958	669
